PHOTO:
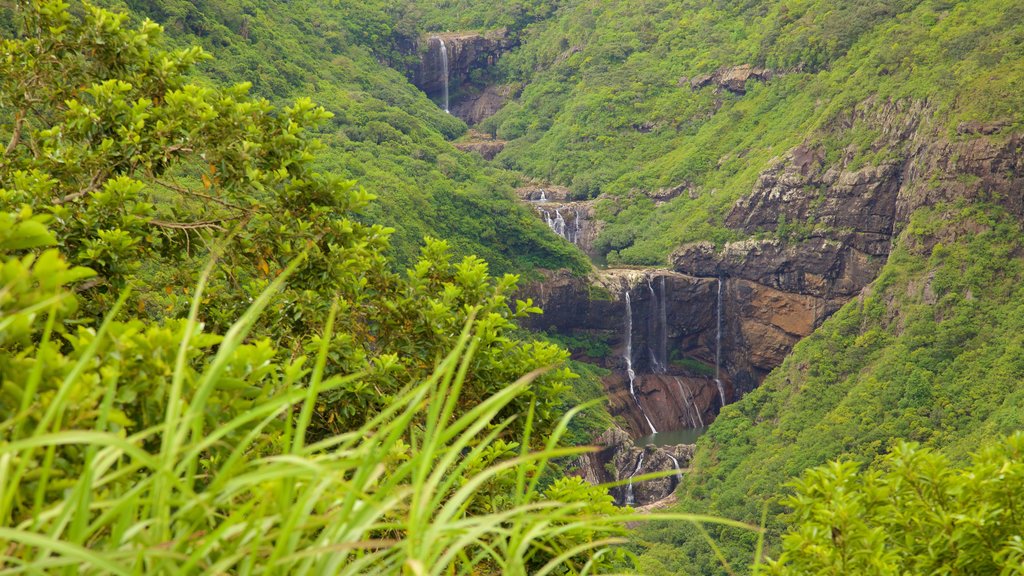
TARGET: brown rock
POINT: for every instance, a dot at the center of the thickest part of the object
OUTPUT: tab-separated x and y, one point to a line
733	78
481	105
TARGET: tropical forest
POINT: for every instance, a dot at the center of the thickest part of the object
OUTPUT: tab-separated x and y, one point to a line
512	287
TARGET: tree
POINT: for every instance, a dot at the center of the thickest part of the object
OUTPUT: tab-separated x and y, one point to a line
913	513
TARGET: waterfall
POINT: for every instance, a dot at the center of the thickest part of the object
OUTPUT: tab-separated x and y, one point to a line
543	196
628	356
556	221
444	70
630	500
679	475
559	224
718	343
656	337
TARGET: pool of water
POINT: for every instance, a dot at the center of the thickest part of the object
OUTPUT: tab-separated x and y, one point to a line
671	437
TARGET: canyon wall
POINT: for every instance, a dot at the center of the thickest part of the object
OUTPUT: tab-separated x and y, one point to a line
466	53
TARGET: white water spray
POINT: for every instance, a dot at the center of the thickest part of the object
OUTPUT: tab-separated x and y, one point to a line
679	475
630	499
718	344
628	357
444	71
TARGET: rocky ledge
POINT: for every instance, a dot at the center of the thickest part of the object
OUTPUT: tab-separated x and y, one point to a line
618	458
731	78
483	144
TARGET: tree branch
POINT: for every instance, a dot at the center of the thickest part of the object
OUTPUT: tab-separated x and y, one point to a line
19	122
214	224
182	190
93	185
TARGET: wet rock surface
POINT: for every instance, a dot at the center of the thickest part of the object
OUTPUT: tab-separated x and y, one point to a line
618	458
466	52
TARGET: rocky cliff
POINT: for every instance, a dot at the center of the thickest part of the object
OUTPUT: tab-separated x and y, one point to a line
664	323
834	221
617	457
465	52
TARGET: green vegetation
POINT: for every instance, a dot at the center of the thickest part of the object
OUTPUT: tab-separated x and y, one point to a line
208	365
383	131
932	354
220	354
911	514
605	108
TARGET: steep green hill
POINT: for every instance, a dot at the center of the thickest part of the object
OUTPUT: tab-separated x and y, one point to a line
631	103
608	106
385	133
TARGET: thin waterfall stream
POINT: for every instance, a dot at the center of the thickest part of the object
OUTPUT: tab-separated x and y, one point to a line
630	499
628	357
718	344
444	71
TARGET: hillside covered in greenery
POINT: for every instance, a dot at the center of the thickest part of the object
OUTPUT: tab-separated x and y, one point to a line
383	132
608	108
258	314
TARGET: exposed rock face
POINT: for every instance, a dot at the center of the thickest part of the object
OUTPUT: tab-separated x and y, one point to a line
840	220
479	105
466	51
672	341
617	458
482	144
733	79
573	221
542	192
672	402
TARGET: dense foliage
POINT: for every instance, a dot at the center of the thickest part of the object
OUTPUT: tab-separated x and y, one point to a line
607	107
170	263
912	514
382	129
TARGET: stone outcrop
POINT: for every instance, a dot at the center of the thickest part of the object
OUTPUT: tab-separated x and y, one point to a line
543	192
672	340
616	458
477	105
466	52
483	144
838	221
731	78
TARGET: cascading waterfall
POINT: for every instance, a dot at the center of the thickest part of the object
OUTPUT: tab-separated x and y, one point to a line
444	70
630	499
543	196
628	357
718	344
556	221
559	224
679	475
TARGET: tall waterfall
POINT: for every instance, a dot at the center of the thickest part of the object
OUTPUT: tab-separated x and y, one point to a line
630	499
718	344
444	70
628	357
657	328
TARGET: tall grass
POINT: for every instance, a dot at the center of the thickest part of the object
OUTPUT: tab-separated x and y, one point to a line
246	494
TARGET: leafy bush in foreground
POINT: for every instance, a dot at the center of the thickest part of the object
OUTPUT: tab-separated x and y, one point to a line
911	514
